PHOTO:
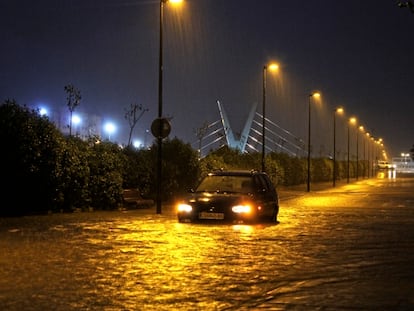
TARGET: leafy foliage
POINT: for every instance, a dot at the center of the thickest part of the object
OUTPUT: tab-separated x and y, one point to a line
179	166
29	166
105	181
46	171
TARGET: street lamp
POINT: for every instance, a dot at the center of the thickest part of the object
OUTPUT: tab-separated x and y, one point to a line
373	151
271	67
110	128
316	95
338	110
368	137
76	121
361	129
351	121
160	124
357	155
405	156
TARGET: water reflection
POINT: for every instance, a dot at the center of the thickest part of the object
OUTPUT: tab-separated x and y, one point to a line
165	265
338	249
390	174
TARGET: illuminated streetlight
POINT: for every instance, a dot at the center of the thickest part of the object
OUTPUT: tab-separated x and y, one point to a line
160	124
368	137
137	143
362	130
405	156
373	155
316	95
75	120
43	111
145	138
357	155
271	67
379	144
109	128
351	121
338	110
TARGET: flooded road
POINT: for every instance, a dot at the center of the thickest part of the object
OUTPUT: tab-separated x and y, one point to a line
348	248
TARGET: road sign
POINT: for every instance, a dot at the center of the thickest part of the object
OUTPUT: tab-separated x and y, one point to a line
160	128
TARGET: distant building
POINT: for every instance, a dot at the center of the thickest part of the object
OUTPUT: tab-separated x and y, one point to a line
403	164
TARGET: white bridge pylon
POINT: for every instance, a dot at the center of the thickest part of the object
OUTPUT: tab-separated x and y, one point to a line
277	139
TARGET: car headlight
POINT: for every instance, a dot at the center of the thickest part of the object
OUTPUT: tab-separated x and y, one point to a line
242	208
182	207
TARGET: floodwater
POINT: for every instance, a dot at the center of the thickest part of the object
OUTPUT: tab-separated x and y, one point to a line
348	248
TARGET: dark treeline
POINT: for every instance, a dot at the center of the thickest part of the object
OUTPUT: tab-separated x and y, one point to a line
45	171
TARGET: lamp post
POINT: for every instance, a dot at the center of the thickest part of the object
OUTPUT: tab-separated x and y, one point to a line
351	120
309	137
368	154
338	110
160	124
272	67
357	155
373	150
361	129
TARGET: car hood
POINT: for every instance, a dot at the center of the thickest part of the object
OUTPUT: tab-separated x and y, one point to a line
217	197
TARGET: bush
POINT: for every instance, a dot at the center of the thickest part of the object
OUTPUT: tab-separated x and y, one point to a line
30	166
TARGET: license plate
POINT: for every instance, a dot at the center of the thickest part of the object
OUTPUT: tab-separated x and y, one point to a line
206	215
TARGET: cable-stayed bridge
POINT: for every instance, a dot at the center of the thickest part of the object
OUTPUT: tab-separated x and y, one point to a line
219	133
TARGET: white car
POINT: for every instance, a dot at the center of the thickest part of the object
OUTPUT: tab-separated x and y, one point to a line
384	165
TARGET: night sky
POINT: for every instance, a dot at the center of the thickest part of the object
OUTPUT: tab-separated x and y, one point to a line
358	54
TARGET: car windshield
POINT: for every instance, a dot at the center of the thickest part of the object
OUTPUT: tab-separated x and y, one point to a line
217	183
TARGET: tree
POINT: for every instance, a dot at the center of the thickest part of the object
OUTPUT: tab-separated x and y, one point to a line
138	169
200	134
73	99
180	168
406	4
132	118
31	156
105	181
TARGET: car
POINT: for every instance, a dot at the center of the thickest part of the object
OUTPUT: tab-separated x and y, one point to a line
384	165
236	196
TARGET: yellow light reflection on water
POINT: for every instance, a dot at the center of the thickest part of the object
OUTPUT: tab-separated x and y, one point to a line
319	201
243	228
327	199
390	174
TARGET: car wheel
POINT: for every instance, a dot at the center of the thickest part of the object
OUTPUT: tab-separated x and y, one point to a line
275	213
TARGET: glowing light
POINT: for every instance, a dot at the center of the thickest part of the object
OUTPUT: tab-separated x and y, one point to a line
76	119
326	200
243	228
184	207
273	67
137	143
109	128
242	208
43	111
